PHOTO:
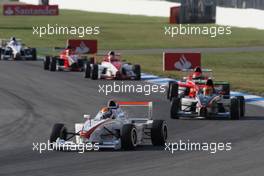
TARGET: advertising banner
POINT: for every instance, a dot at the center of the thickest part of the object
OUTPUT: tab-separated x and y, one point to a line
30	10
180	61
83	46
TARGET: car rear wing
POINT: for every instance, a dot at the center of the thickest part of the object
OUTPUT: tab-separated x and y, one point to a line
205	70
147	104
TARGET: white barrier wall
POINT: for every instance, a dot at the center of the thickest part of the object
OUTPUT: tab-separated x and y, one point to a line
250	18
132	7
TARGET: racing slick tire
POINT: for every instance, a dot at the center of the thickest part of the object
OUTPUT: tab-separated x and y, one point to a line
87	72
58	131
129	137
53	64
235	109
226	90
242	105
175	108
172	90
169	88
46	63
159	133
34	54
137	71
95	72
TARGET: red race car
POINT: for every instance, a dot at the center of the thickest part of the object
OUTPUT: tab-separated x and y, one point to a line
68	60
112	68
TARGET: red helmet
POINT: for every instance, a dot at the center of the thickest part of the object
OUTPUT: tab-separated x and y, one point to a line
197	75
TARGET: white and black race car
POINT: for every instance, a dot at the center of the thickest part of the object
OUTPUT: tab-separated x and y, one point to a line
112	128
195	101
14	50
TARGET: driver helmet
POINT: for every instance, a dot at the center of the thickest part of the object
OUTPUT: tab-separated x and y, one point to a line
112	104
106	113
198	69
197	74
13	39
111	55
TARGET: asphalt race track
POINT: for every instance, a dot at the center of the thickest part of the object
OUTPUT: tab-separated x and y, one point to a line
32	100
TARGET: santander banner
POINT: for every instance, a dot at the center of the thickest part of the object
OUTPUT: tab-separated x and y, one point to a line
83	46
30	10
180	61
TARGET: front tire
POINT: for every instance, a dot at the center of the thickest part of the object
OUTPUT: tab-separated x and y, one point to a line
235	109
159	133
58	131
46	63
95	72
129	137
53	64
34	54
137	71
87	73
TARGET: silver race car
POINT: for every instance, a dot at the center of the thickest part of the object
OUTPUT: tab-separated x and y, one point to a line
13	49
113	128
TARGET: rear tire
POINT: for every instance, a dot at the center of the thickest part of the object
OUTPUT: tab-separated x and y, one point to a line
58	131
175	108
137	71
53	64
159	133
46	63
226	90
173	90
87	73
34	54
235	109
129	137
95	72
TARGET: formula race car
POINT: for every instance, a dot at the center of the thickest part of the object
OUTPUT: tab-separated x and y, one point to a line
113	128
197	76
14	50
112	68
205	100
68	60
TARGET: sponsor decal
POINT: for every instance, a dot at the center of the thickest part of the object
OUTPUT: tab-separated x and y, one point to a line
30	10
83	46
180	61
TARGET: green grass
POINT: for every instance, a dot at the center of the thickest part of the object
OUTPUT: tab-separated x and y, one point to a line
245	71
120	32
